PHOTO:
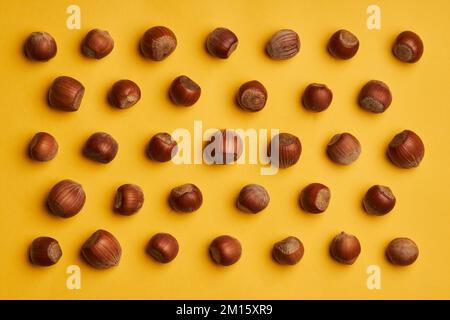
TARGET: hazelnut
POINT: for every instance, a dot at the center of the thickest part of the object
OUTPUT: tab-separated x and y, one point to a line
225	250
184	91
343	148
101	147
284	150
379	200
162	147
221	43
408	47
406	150
102	250
224	147
124	94
402	252
317	97
315	198
45	251
40	46
283	45
66	198
65	94
253	198
343	44
288	251
97	44
158	43
129	199
163	247
185	198
345	248
252	96
43	147
375	96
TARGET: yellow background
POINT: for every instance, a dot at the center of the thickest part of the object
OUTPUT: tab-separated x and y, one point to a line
420	103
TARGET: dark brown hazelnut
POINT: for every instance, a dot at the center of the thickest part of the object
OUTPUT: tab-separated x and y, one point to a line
158	43
288	251
124	94
252	96
221	43
345	248
343	148
343	45
66	198
129	199
184	91
162	147
65	94
45	251
186	198
97	44
379	200
253	198
102	250
315	198
317	97
408	47
406	150
375	96
283	45
224	147
40	46
284	150
43	147
101	147
402	252
163	247
225	250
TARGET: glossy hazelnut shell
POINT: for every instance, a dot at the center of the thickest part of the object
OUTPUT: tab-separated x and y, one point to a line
129	199
289	150
186	198
124	94
40	46
343	148
317	97
252	96
408	47
315	198
345	248
288	251
402	252
97	44
253	198
163	247
224	147
225	250
162	147
184	91
66	198
101	147
102	250
43	147
406	150
379	200
44	251
221	43
343	44
375	96
65	94
158	43
283	45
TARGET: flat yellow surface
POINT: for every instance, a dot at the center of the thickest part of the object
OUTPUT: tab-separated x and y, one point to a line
420	103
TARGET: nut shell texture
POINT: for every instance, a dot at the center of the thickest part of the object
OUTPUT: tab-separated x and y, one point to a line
65	94
253	198
406	150
43	147
408	47
45	251
158	43
288	251
66	198
221	43
283	45
102	250
225	250
402	251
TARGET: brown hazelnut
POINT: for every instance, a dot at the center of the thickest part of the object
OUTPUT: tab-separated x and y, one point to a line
288	251
158	43
129	199
162	147
184	91
402	252
102	250
284	150
97	44
224	147
406	150
65	94
408	47
43	147
124	94
315	198
253	198
185	198
375	96
221	43
252	96
283	45
225	250
343	45
317	97
40	46
163	247
45	251
379	200
66	198
345	248
101	147
343	148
